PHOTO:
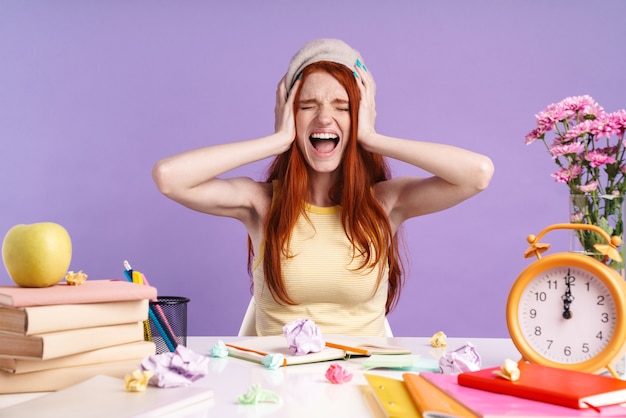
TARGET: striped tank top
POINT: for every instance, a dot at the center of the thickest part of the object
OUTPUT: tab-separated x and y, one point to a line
324	280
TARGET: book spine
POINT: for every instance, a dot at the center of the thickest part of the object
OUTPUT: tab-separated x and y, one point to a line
139	349
61	294
430	399
45	319
65	343
57	379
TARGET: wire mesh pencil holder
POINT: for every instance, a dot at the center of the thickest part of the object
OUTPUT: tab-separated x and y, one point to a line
168	322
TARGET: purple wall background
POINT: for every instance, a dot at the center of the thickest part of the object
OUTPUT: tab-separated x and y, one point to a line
92	93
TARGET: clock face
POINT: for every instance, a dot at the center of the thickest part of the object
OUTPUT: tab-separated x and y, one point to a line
567	314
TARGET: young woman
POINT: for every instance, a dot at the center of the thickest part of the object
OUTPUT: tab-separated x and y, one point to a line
323	226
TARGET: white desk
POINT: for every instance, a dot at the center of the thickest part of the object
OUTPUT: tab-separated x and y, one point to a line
304	390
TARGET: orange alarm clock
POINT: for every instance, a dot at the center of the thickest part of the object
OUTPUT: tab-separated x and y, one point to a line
568	310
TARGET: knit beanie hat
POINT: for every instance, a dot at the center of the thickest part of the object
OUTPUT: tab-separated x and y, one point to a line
333	50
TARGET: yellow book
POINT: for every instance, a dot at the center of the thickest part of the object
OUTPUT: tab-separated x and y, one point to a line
413	397
392	396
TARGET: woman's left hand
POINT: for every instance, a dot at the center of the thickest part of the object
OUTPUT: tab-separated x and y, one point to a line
367	107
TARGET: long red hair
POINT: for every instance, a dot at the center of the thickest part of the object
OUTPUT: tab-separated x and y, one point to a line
364	221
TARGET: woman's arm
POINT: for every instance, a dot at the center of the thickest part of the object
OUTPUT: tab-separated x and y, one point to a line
191	178
457	174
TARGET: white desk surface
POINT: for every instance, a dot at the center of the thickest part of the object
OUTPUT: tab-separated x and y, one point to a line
304	390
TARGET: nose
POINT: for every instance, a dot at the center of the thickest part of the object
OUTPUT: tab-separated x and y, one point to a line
324	115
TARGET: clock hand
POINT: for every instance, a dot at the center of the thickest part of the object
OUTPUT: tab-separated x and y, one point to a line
568	298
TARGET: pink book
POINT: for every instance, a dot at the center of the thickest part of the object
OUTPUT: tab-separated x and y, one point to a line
92	291
495	405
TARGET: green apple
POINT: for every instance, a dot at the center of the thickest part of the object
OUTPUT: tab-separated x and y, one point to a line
37	255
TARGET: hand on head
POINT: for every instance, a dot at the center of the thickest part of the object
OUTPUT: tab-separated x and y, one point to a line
284	120
367	107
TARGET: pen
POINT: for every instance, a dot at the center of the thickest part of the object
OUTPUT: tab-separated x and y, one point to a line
128	272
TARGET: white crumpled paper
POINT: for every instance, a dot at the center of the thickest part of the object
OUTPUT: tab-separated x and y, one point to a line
180	368
303	337
463	359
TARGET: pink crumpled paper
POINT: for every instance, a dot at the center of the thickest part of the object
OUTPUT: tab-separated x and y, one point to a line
303	337
463	359
180	368
337	374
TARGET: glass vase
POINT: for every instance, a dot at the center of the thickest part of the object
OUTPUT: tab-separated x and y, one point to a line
605	211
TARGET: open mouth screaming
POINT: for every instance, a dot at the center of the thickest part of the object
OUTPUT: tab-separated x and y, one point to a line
324	142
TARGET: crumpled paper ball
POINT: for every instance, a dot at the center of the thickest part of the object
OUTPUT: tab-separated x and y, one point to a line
438	339
509	370
273	361
75	279
137	381
180	368
463	359
337	374
256	394
303	337
219	350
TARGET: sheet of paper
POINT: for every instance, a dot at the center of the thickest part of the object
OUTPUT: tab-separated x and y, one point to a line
105	396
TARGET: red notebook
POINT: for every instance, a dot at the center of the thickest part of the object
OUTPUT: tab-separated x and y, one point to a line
563	387
497	405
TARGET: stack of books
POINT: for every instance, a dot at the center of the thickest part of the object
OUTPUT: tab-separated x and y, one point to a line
55	337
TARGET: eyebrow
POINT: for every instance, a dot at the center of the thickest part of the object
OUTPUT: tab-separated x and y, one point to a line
335	101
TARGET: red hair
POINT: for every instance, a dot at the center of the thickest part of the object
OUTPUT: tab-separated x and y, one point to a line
364	221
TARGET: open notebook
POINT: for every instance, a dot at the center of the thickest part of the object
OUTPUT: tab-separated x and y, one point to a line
338	347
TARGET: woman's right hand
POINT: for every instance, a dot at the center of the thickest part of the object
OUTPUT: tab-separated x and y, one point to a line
284	118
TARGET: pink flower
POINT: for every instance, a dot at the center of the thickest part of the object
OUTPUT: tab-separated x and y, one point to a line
576	108
619	120
337	374
534	135
579	130
567	174
605	127
571	108
563	149
589	187
576	217
599	157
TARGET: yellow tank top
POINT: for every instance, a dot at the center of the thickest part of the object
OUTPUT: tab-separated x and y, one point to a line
323	278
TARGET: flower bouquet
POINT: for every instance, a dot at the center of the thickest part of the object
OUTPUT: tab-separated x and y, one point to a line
588	148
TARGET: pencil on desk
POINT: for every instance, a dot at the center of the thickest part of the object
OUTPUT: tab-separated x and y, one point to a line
249	350
347	348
